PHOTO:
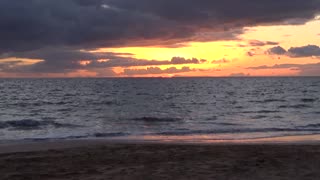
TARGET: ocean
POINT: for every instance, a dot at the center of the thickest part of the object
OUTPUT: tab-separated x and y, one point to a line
215	108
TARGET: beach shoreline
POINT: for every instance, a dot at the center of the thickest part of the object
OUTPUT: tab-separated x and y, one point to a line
290	157
45	145
164	161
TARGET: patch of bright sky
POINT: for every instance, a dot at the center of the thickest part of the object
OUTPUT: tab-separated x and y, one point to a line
288	36
24	61
208	50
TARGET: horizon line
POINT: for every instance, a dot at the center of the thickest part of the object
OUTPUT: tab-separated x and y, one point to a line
160	77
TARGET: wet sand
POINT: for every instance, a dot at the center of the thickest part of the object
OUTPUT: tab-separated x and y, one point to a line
93	161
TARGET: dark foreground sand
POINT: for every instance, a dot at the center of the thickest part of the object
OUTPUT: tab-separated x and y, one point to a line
160	161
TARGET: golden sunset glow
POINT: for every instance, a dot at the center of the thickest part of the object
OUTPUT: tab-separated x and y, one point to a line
234	52
288	47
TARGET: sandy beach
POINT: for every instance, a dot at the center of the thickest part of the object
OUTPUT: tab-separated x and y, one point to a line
95	160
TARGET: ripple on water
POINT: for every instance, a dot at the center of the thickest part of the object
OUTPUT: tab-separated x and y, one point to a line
309	100
259	117
311	126
156	119
297	106
29	124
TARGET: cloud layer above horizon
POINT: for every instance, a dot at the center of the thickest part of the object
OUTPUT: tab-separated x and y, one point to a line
61	32
32	24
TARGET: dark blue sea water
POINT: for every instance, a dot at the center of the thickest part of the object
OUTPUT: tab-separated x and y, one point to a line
237	108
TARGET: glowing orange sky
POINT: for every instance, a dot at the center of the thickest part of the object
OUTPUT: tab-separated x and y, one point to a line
234	53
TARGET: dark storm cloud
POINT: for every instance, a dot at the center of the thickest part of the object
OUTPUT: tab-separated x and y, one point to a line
63	54
277	66
55	60
156	70
278	50
68	60
32	24
304	51
27	25
239	12
304	69
296	52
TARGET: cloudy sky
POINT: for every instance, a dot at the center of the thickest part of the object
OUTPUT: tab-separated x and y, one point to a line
121	38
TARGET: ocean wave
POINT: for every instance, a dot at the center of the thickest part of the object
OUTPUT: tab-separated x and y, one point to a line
61	103
119	134
227	124
309	100
38	104
259	117
102	103
28	124
55	138
65	110
156	119
269	101
260	112
297	106
236	131
278	117
311	126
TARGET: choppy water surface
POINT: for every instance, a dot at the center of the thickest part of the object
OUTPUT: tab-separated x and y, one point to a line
232	108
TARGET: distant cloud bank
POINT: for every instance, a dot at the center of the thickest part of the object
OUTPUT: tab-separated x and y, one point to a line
62	33
296	52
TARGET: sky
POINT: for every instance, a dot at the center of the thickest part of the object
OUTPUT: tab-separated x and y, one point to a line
159	38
